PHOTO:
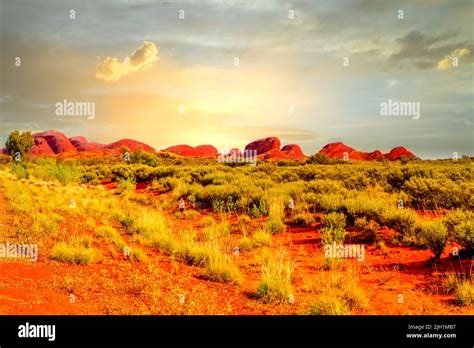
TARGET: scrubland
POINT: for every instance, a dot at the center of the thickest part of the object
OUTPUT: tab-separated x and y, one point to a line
168	235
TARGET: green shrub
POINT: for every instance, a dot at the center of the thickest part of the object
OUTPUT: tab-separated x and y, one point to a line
257	206
20	169
435	236
126	186
327	202
19	143
430	193
369	228
401	220
464	235
461	228
47	169
334	228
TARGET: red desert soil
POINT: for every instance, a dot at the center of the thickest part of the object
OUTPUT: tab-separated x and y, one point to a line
114	285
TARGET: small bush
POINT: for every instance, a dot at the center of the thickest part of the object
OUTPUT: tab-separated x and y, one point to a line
275	225
464	235
435	236
20	169
465	293
257	206
302	219
369	228
401	220
207	221
334	228
72	253
125	186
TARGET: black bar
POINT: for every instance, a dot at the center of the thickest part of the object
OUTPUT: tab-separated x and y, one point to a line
241	330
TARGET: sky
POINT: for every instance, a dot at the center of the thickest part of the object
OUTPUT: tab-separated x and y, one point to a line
229	72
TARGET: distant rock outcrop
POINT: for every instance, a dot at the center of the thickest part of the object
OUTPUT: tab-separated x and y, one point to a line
340	150
57	141
81	144
182	150
40	147
267	149
131	144
205	151
293	151
78	141
208	151
264	145
398	152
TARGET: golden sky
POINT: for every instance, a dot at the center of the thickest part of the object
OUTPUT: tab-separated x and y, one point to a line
231	72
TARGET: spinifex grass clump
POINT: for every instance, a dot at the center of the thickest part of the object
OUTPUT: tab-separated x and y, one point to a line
275	222
217	230
337	294
461	286
258	239
73	253
465	293
220	268
277	274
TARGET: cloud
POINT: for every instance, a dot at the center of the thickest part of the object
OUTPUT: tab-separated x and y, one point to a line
111	69
424	51
448	60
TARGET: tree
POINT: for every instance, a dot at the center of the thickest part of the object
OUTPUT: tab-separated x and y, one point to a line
18	144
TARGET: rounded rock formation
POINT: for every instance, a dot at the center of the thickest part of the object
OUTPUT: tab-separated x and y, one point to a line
264	145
